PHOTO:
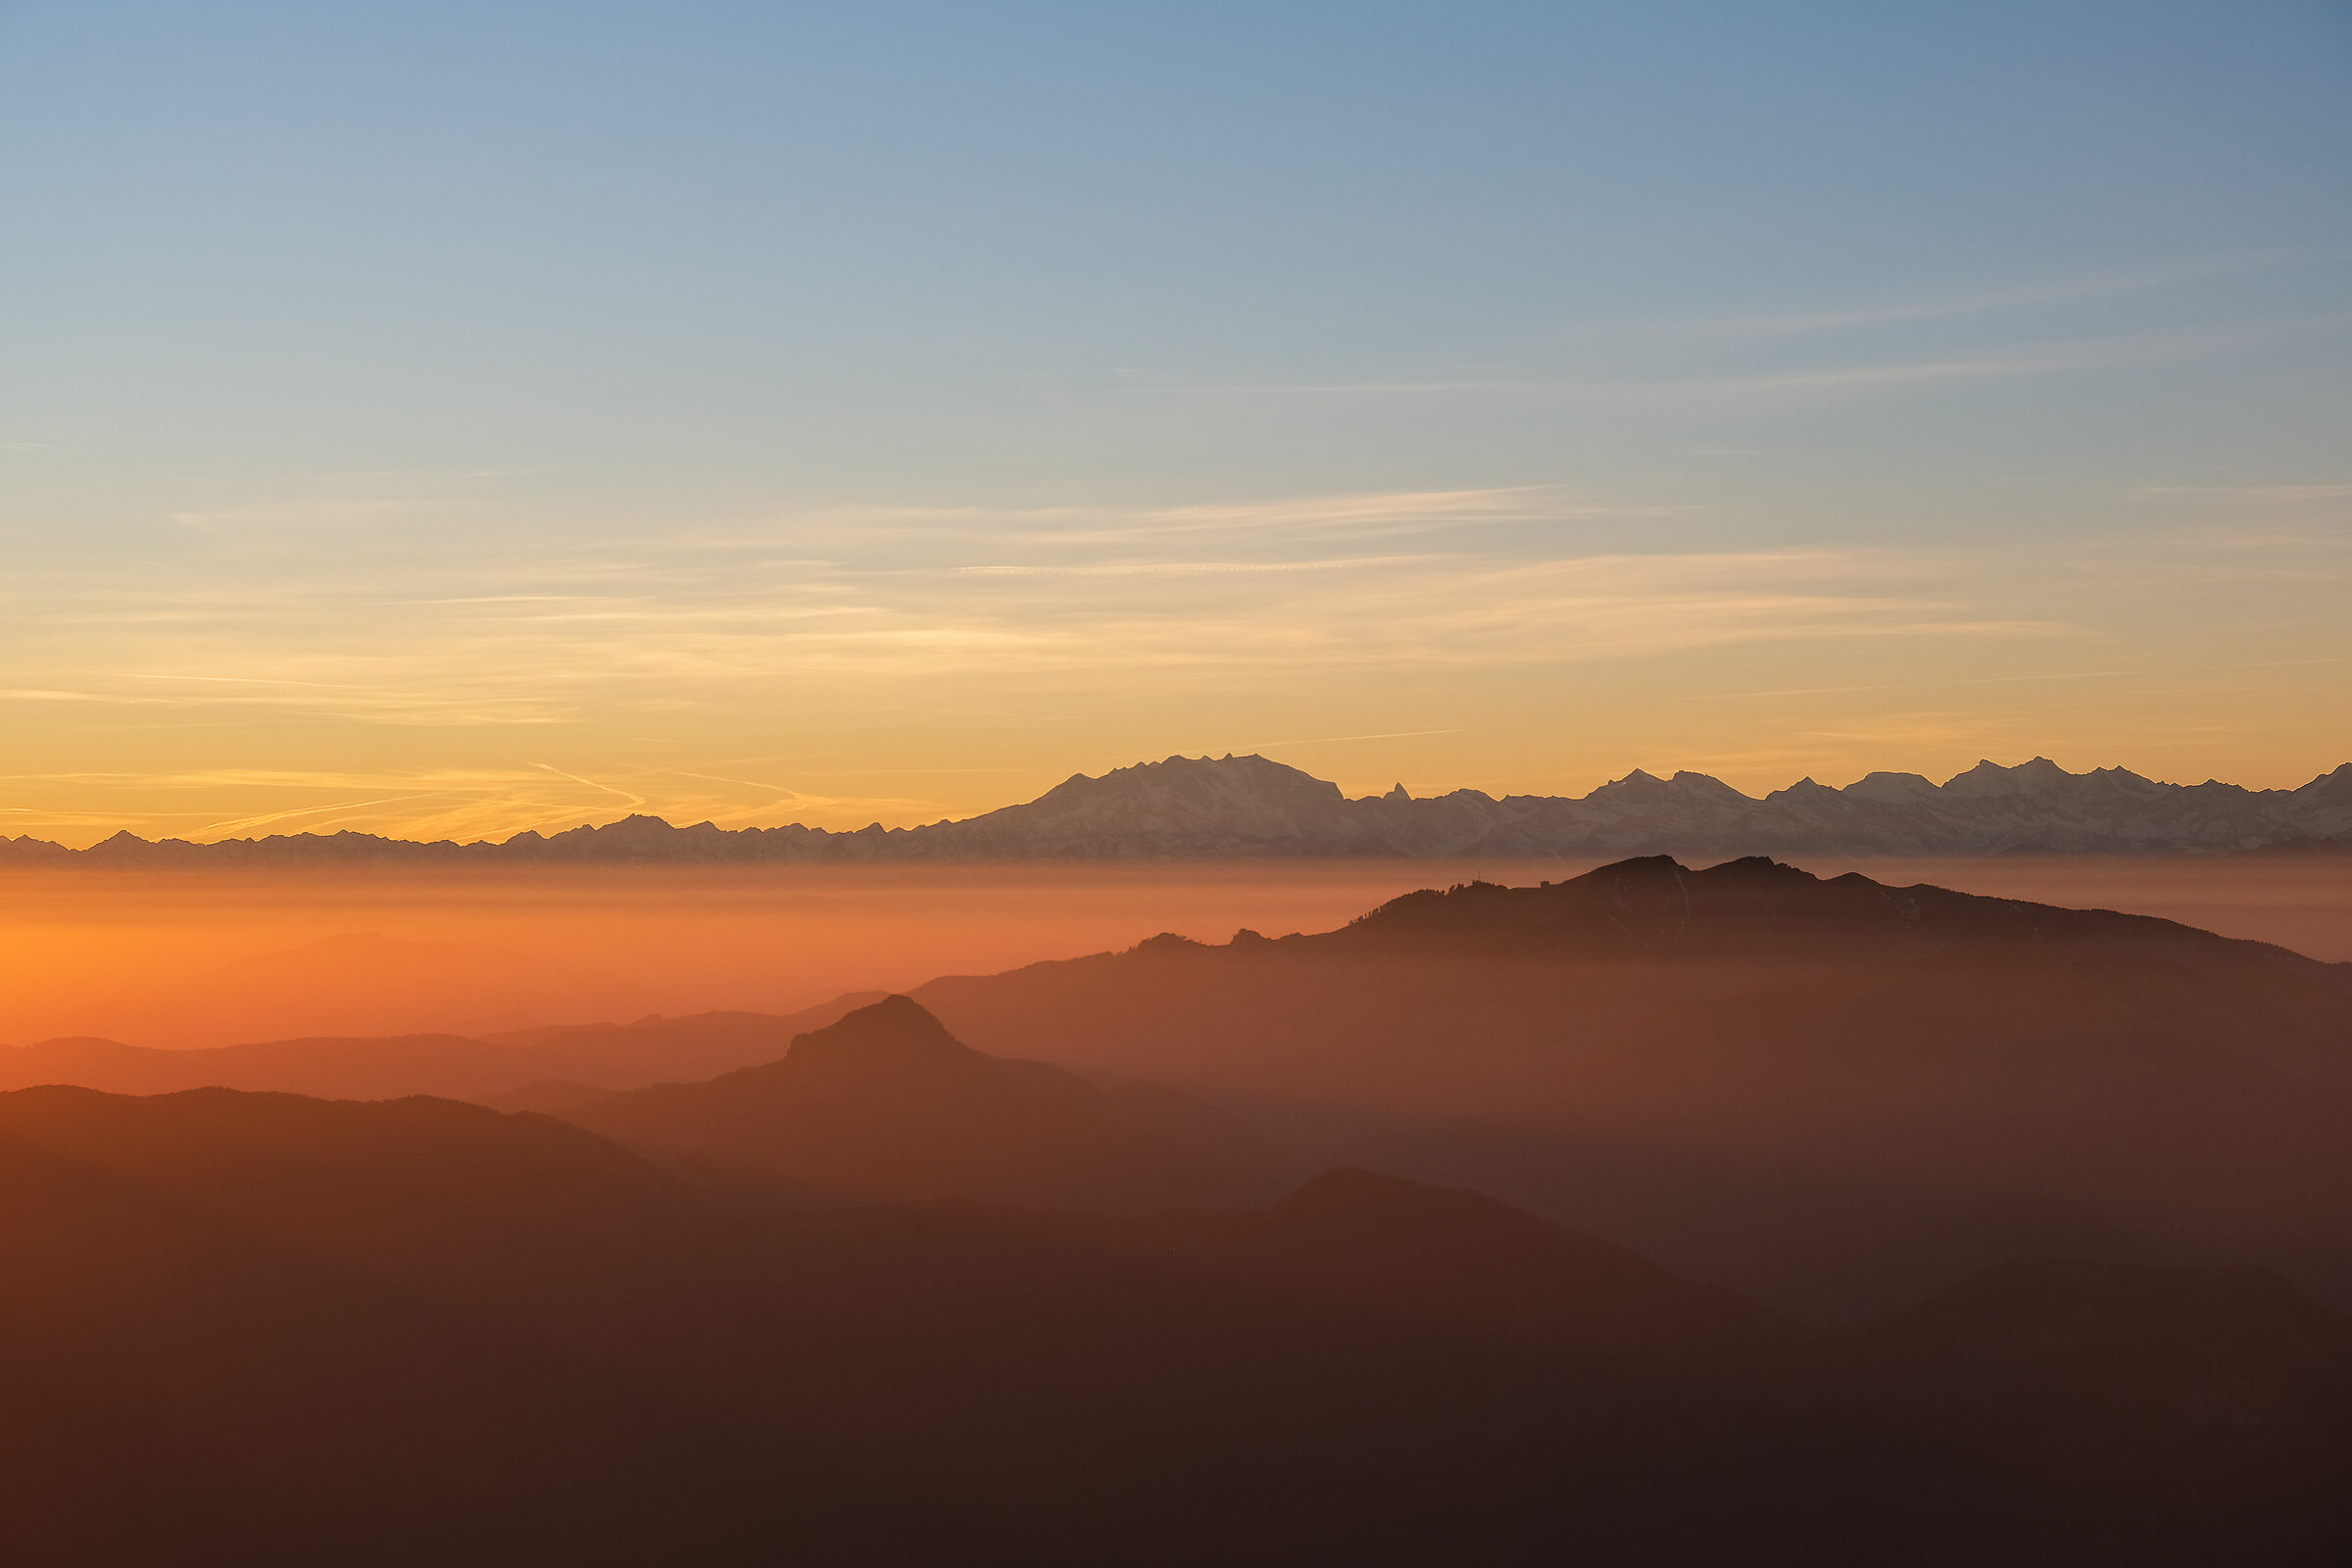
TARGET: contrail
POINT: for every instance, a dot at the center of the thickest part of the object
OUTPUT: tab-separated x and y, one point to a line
633	799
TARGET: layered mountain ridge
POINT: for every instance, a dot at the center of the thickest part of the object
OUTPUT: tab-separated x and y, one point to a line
1825	1093
271	1329
1252	806
885	1105
1830	1093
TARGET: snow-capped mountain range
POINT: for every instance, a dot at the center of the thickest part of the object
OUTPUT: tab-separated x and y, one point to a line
1250	807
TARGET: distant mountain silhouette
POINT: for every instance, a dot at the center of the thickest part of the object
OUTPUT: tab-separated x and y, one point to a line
594	1055
696	1045
1655	906
1832	1094
1238	807
334	1067
886	1105
264	1328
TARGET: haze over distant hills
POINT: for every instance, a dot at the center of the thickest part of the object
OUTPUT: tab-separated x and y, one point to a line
1244	807
1833	1095
599	1056
886	1105
1827	1094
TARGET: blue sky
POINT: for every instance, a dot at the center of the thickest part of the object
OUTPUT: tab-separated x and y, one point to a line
923	402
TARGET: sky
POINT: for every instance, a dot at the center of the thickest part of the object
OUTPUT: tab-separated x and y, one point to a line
451	418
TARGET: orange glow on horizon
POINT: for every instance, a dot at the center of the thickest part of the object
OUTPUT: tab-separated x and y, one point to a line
203	958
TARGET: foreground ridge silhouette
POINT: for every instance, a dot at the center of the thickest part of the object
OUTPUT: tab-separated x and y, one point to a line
1243	807
273	1329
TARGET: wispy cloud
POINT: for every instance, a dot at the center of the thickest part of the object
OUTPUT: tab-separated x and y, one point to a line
2059	291
1329	515
1350	389
629	798
417	710
1193	569
2269	495
308	513
909	621
234	680
40	694
236	825
2049	359
2030	677
2020	358
1335	740
499	659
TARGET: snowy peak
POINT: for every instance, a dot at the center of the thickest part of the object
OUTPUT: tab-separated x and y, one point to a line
1638	785
1181	804
1204	808
1989	779
2330	789
1685	788
1178	783
1895	789
1687	785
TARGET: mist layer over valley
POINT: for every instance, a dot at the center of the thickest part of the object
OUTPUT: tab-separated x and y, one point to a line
210	958
1889	1219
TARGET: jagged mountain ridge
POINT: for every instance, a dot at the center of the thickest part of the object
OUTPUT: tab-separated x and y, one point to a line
1252	806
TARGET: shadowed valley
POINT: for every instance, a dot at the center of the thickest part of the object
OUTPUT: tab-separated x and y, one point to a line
283	1329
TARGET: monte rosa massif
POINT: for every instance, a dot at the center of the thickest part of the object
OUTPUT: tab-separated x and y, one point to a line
1244	807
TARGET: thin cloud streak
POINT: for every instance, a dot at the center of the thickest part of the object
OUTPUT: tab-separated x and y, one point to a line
634	800
2025	361
2053	291
1193	568
244	680
1335	740
1333	513
2035	676
2277	495
239	825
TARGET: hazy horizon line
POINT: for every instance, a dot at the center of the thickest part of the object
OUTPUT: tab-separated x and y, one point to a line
578	821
